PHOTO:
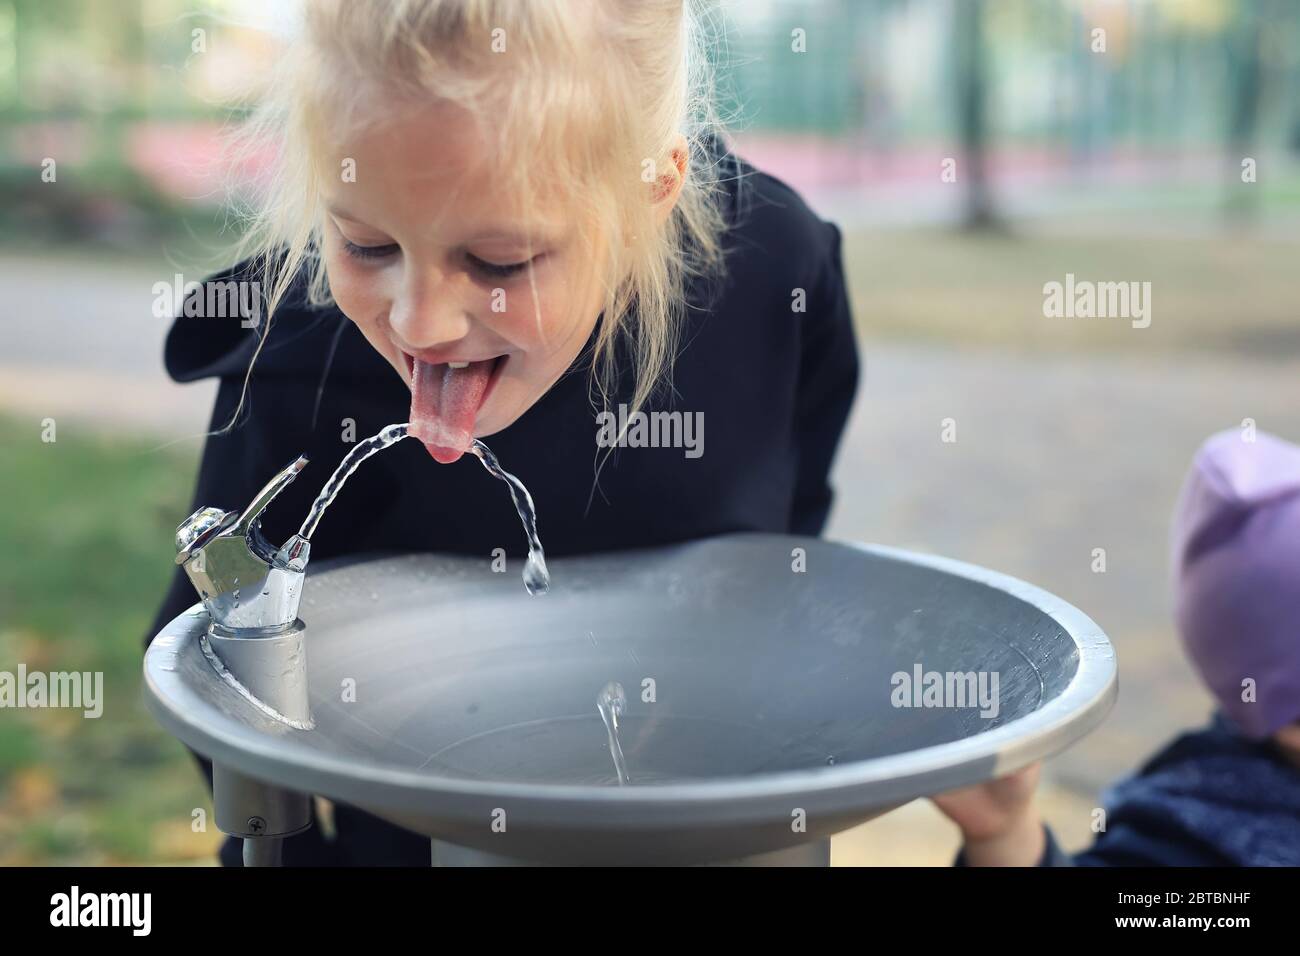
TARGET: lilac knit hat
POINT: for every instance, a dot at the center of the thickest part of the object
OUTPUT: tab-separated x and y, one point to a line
1236	564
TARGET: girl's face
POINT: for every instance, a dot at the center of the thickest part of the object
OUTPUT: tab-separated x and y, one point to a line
433	264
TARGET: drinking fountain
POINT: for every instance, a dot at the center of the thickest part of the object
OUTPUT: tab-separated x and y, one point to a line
765	707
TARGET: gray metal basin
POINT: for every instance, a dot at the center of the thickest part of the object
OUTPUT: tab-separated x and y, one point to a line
762	704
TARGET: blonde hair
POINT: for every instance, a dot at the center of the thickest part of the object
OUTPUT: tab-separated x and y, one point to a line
589	96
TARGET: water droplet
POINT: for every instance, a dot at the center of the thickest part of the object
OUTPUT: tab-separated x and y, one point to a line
537	580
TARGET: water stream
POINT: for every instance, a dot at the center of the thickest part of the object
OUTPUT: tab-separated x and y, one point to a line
537	579
612	703
388	436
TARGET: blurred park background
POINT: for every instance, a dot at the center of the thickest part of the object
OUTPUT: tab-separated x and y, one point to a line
970	150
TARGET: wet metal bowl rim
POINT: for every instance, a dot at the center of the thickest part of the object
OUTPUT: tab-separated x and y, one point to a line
888	780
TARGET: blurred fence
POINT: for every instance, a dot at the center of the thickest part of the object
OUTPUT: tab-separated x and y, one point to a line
130	93
1162	72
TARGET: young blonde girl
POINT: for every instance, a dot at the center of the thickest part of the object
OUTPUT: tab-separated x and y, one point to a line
548	145
500	218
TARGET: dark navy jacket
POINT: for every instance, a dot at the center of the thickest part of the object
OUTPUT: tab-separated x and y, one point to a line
774	386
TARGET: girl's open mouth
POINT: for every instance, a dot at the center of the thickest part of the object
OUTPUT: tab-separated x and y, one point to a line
445	401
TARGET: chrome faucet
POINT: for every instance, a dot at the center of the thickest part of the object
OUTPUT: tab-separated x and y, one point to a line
246	584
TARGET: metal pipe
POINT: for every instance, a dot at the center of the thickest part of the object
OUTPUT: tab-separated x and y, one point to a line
263	851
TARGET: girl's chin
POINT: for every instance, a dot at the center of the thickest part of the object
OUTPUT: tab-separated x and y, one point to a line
490	421
504	407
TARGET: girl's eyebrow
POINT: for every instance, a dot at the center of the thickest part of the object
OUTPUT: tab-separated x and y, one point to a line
544	234
538	237
340	213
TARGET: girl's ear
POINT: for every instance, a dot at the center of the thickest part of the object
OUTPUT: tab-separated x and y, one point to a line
667	186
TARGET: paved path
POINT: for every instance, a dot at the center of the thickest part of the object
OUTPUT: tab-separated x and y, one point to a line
78	339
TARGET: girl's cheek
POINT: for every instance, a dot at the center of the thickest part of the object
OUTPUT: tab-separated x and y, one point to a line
356	294
562	318
508	309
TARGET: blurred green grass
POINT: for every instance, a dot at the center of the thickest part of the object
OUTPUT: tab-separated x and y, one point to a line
87	521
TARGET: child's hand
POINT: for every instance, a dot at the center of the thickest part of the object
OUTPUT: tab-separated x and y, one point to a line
998	820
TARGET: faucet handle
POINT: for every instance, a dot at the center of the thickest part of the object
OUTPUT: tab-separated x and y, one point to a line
243	581
206	524
268	493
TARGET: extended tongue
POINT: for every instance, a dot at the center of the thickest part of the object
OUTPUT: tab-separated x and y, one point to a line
444	404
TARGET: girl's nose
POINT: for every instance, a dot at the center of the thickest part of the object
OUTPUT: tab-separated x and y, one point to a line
428	312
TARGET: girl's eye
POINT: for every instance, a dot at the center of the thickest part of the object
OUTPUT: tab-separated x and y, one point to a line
369	252
496	270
